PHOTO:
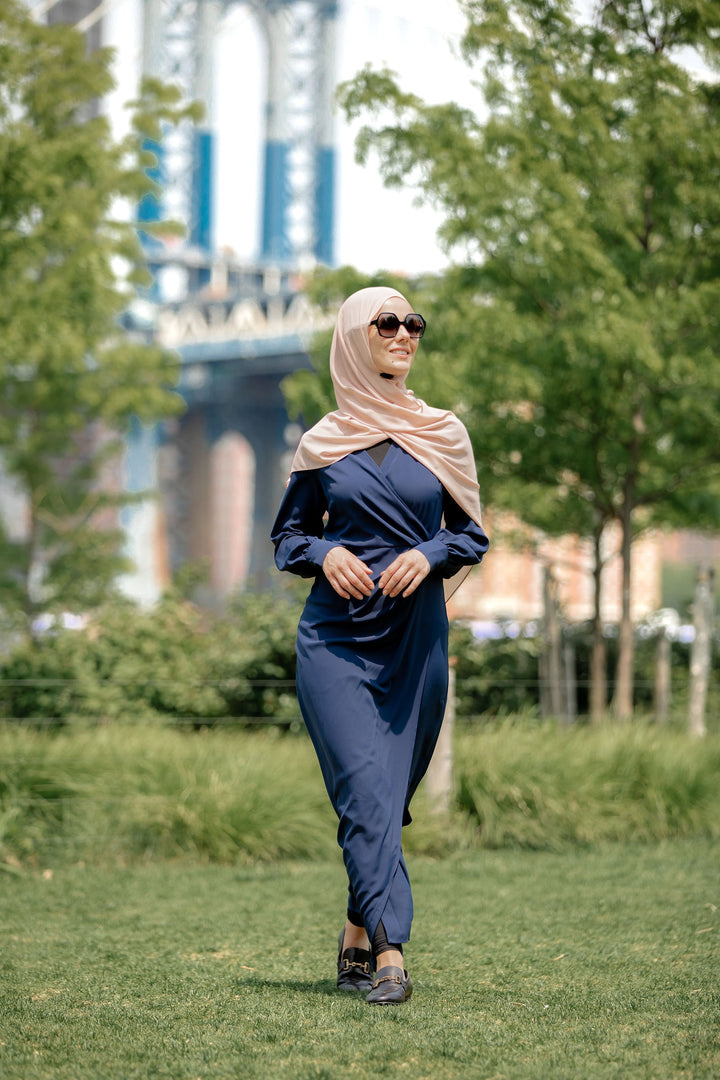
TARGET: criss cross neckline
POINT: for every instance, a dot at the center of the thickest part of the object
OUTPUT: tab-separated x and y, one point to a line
379	451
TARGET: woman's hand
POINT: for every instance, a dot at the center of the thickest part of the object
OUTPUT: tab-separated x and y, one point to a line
348	575
404	573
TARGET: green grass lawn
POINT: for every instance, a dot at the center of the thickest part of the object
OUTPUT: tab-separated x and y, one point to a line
581	964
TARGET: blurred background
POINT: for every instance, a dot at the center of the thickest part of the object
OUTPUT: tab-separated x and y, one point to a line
263	180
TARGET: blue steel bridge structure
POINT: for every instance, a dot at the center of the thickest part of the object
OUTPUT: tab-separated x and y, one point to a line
239	330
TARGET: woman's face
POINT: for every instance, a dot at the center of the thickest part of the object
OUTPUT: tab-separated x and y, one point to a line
393	356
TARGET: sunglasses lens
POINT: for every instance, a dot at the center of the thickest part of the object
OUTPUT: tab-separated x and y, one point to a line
388	325
415	325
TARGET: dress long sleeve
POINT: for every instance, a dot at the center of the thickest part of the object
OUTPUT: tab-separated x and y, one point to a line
461	542
298	530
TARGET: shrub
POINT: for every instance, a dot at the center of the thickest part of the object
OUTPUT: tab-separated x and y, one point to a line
127	664
173	662
179	664
496	677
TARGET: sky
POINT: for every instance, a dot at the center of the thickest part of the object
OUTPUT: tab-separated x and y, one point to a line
416	38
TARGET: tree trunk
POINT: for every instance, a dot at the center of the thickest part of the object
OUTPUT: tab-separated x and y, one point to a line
438	779
598	659
34	573
623	699
569	666
551	678
662	679
700	654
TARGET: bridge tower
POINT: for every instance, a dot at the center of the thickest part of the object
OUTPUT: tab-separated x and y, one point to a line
297	213
299	180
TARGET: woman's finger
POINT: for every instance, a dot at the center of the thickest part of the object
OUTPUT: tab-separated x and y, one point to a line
348	575
404	574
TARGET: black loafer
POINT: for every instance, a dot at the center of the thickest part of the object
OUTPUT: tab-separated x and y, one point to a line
355	971
392	986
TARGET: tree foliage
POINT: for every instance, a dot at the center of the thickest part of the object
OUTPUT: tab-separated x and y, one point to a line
582	202
70	261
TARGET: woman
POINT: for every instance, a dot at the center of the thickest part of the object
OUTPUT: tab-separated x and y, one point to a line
363	514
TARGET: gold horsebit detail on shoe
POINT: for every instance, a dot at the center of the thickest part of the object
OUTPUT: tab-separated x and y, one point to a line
347	964
388	978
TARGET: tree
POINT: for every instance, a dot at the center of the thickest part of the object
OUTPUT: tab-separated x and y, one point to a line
584	205
70	379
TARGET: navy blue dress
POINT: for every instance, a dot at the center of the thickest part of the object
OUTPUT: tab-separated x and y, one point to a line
372	673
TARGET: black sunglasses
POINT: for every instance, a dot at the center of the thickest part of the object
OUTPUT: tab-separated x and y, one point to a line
388	324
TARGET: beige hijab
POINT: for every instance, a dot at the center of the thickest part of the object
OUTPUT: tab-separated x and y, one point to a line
371	409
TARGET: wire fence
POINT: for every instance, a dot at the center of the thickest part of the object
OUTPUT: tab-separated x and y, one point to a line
76	693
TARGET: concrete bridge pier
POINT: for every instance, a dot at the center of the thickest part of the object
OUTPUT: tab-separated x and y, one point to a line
222	475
